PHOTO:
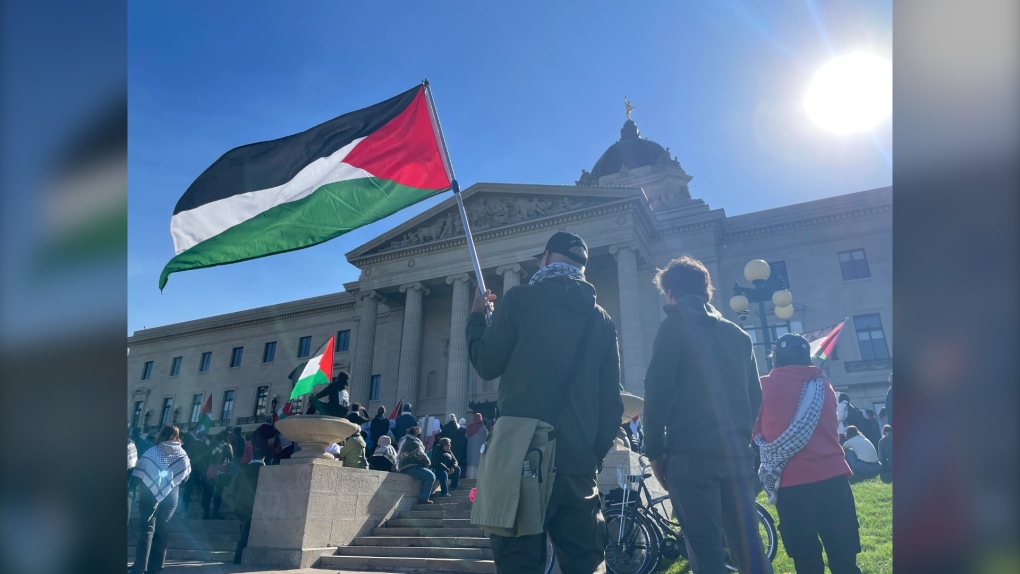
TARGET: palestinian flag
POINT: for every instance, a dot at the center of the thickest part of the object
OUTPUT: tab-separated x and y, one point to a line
307	188
205	416
396	409
317	371
282	412
823	347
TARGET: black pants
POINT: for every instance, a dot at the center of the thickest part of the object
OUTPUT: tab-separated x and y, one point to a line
823	509
714	499
575	526
212	492
153	517
242	543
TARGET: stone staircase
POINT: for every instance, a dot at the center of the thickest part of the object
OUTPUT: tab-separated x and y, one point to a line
434	537
192	538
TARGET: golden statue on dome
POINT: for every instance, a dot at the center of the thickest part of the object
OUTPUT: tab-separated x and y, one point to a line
629	107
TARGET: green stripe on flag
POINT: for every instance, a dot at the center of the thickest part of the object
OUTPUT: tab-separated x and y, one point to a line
305	385
329	212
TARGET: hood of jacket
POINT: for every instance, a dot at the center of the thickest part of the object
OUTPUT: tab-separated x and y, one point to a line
693	308
576	295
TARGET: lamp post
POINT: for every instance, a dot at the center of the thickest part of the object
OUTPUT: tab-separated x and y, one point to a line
765	288
177	413
275	399
147	415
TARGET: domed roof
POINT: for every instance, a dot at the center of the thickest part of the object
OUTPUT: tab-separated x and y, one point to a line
632	151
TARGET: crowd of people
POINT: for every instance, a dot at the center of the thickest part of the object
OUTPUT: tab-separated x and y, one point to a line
714	431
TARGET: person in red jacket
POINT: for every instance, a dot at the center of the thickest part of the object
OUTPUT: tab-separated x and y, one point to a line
797	432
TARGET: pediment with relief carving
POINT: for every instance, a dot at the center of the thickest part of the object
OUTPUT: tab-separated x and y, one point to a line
488	212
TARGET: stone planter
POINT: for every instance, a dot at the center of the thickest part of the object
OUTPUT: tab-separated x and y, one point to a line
632	405
314	433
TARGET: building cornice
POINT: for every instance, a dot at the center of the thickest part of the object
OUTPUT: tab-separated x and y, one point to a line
137	340
794	224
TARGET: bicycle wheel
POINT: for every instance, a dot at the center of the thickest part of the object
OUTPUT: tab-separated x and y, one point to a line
767	531
631	543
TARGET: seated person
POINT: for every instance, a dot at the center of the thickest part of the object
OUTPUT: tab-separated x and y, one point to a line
385	456
445	467
861	455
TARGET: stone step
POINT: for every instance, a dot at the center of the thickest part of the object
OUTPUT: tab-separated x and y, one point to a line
416	552
442	506
197	555
438	513
407	564
423	541
429	522
441	531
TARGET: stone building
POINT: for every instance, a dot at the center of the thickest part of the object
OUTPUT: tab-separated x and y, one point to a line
400	327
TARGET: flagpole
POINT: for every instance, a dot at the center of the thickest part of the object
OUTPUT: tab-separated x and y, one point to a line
455	186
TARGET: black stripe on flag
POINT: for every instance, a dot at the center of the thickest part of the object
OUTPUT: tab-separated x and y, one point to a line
269	164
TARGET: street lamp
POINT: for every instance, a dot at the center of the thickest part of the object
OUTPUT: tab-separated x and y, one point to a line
177	413
147	415
275	399
765	288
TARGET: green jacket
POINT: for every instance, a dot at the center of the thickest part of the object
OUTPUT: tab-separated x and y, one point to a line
702	385
530	343
353	452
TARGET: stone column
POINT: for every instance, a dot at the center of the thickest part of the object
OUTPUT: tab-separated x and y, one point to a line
457	361
629	322
511	275
410	343
364	351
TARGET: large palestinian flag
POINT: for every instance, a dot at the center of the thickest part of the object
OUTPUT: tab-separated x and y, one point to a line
301	190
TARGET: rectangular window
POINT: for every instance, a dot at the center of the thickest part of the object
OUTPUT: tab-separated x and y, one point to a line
778	269
373	393
261	401
304	347
235	357
196	407
269	353
854	265
871	337
343	341
296	405
175	366
147	371
203	365
228	405
164	413
137	414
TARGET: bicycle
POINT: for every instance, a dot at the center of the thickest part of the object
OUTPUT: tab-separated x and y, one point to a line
670	542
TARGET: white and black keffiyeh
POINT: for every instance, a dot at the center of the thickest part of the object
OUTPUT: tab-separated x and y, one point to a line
162	468
775	454
557	269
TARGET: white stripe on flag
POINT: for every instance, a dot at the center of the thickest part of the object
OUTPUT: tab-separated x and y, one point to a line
194	226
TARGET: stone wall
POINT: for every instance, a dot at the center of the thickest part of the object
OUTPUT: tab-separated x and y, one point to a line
304	510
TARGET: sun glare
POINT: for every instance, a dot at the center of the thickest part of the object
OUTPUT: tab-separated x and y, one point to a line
851	93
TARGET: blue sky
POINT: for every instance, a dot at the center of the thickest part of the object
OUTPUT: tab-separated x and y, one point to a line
528	92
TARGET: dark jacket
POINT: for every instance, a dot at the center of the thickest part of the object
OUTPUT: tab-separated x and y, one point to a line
444	460
460	443
531	342
356	418
412	455
380	426
404	422
450	430
702	385
244	489
335	407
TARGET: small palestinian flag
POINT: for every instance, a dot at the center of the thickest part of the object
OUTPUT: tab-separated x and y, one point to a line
282	413
307	188
822	348
396	409
317	371
205	416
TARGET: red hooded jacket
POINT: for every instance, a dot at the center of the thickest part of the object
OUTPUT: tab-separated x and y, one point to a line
822	457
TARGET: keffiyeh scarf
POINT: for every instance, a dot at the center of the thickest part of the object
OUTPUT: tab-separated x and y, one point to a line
162	468
775	454
557	269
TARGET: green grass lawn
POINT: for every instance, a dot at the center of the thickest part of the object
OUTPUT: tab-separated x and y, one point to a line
874	512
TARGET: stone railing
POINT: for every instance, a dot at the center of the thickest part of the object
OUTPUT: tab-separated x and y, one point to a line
869	365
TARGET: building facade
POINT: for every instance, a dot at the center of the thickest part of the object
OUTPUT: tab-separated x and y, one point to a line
400	328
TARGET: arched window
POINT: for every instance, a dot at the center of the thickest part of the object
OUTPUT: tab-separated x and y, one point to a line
432	385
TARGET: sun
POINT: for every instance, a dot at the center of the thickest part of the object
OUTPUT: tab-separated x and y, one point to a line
851	94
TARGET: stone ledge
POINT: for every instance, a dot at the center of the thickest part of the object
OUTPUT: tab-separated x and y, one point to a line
284	558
